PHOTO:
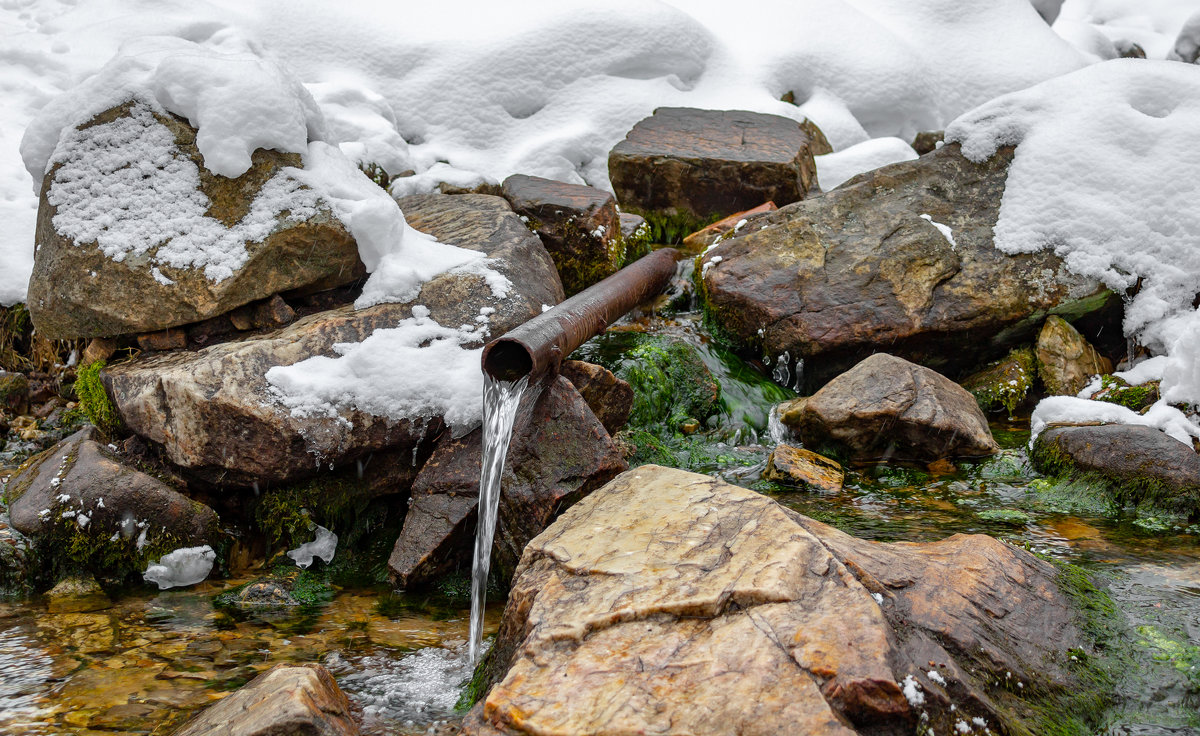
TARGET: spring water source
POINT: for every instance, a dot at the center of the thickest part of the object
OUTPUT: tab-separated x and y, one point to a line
500	402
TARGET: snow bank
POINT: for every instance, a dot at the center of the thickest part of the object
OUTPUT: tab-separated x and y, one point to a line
1152	24
1105	174
418	368
464	91
324	546
182	567
1074	410
835	168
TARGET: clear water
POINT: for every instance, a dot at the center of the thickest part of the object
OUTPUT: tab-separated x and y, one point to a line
500	402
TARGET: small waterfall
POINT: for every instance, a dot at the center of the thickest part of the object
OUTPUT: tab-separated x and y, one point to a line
500	401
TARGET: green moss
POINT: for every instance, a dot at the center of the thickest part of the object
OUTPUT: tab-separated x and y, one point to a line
94	399
475	688
1004	383
1148	496
1006	516
287	514
637	244
673	227
1182	656
68	549
1117	391
307	588
670	384
16	338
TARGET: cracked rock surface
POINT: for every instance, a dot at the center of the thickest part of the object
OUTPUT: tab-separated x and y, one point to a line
672	603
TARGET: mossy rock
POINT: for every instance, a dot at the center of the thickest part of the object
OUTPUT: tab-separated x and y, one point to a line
94	399
670	384
284	587
1004	383
1136	466
1116	390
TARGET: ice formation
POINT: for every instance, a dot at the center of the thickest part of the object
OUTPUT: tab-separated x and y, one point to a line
186	566
323	545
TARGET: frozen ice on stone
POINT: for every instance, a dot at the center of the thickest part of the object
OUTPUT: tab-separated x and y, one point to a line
182	567
323	545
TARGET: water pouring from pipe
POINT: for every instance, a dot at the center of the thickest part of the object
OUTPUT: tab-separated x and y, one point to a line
522	360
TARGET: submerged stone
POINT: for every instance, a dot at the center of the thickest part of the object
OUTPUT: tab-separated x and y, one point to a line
292	699
670	602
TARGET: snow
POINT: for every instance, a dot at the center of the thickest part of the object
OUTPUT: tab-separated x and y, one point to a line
935	676
1148	370
441	375
186	566
912	691
324	546
835	168
466	92
1074	410
945	230
1126	135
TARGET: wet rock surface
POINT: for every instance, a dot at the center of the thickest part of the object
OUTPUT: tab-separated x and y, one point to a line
609	398
1139	464
78	291
302	700
669	602
558	454
1066	360
696	166
796	466
859	270
578	225
80	486
887	407
212	411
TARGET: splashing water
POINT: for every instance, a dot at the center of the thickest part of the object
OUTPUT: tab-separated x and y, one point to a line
500	401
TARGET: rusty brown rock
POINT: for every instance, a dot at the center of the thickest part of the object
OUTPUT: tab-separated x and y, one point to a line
705	237
162	340
697	166
578	225
214	416
126	297
799	467
558	454
887	407
609	397
858	270
1066	360
669	602
288	699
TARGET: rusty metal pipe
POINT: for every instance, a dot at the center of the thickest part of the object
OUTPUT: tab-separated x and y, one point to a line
539	346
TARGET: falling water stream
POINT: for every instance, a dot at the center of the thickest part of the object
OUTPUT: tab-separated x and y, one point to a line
500	402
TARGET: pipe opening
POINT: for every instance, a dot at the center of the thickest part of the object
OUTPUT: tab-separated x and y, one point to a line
507	360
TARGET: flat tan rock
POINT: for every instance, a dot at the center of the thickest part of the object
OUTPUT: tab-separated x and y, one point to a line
672	603
800	467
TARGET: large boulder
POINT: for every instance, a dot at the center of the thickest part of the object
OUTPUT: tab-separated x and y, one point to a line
131	175
83	506
559	453
578	224
888	408
669	602
1137	464
292	699
213	413
683	168
1066	360
899	259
